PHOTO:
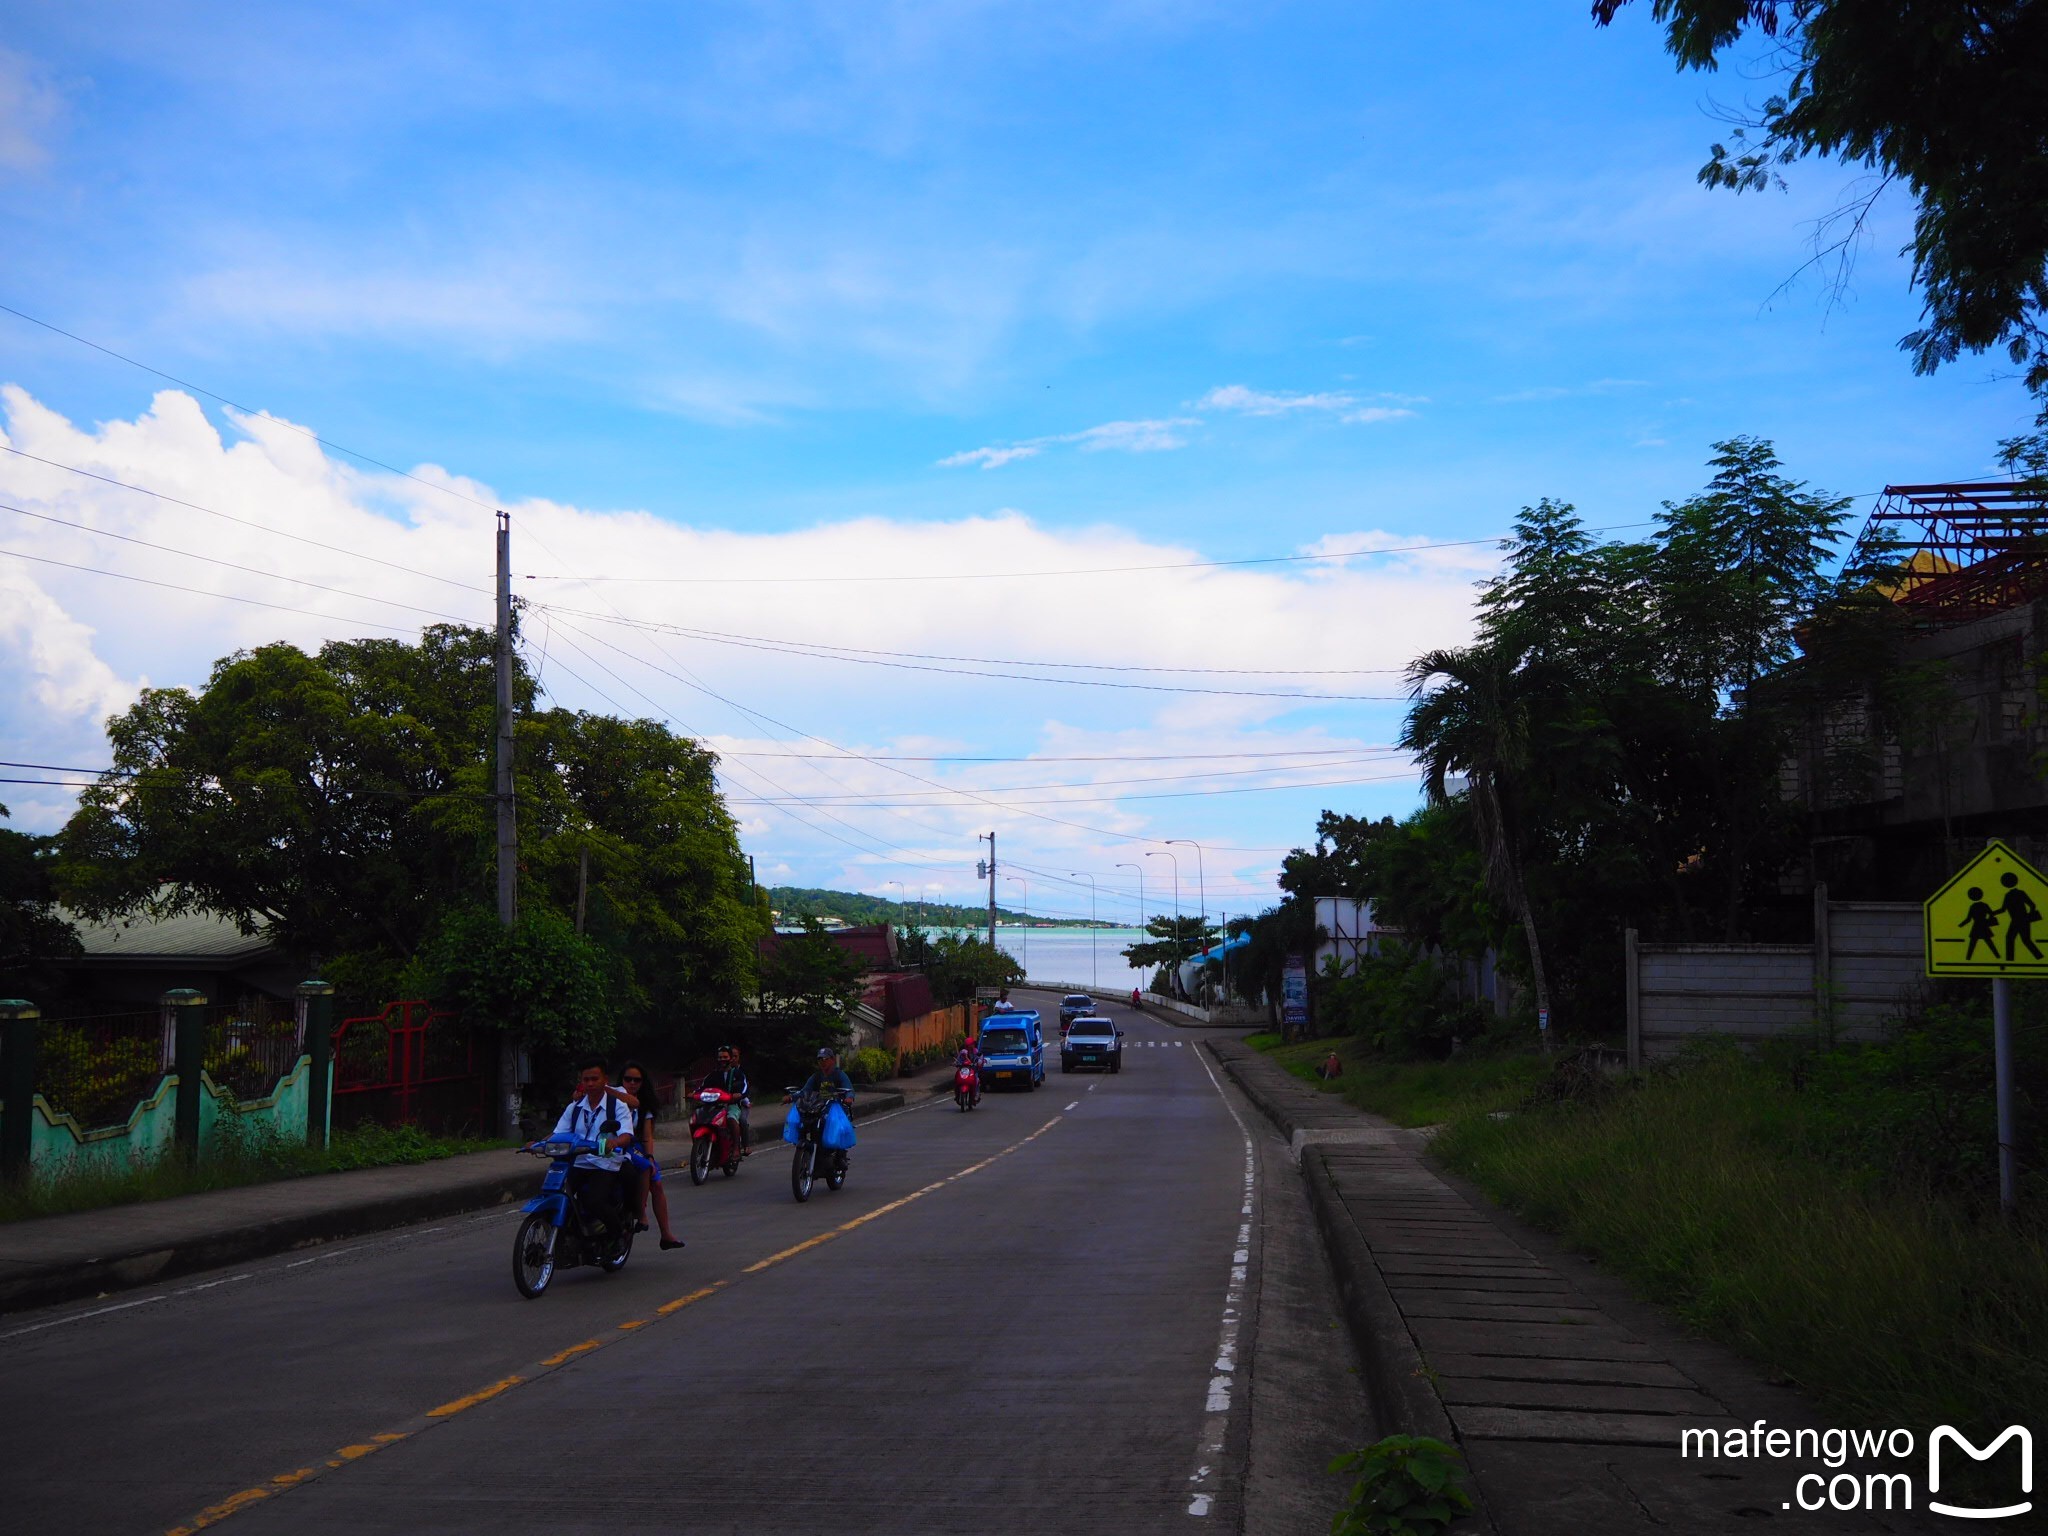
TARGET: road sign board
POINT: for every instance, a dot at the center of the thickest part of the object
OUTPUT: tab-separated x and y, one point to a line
1991	919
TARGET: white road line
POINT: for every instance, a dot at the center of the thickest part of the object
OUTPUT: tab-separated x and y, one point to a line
1075	1105
1216	1408
121	1306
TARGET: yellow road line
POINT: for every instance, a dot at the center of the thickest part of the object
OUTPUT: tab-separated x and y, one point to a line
683	1301
481	1395
215	1513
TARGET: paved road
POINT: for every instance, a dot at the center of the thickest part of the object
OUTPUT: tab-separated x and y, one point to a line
1009	1320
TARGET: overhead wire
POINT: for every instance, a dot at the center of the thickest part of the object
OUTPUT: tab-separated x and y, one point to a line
297	538
247	570
308	432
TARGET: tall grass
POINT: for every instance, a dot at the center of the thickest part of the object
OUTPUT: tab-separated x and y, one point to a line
1412	1092
1708	1191
246	1159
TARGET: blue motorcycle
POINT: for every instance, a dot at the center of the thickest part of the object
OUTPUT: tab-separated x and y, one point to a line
558	1232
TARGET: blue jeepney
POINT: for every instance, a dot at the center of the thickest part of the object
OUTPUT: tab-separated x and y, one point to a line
1013	1049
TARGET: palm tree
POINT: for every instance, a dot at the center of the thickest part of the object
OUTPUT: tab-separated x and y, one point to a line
1474	721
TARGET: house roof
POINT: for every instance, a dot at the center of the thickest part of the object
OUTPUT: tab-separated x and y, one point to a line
187	936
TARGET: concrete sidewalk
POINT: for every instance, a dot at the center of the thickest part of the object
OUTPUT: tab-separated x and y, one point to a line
1567	1395
91	1253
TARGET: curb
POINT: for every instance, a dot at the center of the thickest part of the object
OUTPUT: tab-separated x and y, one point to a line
121	1271
1397	1381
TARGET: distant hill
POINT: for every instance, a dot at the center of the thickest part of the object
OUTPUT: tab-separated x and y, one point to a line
852	907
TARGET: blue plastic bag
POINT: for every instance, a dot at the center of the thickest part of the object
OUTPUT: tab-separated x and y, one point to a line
791	1125
837	1132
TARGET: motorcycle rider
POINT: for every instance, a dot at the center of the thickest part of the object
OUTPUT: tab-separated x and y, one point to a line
639	1093
969	1056
828	1077
731	1078
597	1114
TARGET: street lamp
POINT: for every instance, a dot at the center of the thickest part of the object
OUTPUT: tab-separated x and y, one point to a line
1154	853
1077	874
1141	897
1202	876
1025	958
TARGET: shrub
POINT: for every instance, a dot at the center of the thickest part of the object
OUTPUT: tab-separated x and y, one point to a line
1403	1003
871	1064
1405	1485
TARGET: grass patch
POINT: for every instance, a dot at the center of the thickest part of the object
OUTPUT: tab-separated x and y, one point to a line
249	1160
1412	1092
1713	1190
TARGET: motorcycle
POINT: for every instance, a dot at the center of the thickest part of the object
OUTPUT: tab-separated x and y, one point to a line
558	1232
714	1134
805	1129
966	1087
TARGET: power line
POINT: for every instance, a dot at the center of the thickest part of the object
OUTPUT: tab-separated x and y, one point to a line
1104	570
1132	757
715	638
201	389
692	632
247	570
1162	778
172	586
1177	794
297	538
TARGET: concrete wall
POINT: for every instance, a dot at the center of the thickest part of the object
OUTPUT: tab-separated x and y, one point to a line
57	1144
1863	970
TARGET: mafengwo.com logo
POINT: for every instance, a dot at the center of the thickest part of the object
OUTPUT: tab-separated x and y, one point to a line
1882	1469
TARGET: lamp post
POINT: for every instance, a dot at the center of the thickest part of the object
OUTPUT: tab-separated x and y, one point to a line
1202	887
1153	853
1077	874
1025	958
1141	896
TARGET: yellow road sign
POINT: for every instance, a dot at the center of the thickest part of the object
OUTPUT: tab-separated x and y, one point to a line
1991	919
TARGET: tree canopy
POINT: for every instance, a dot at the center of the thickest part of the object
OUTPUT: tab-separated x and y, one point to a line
345	800
1946	98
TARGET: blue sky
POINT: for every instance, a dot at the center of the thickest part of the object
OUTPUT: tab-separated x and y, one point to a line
721	289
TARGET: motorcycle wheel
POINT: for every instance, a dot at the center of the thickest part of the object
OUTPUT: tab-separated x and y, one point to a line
533	1255
960	1098
731	1165
801	1170
835	1176
700	1159
615	1256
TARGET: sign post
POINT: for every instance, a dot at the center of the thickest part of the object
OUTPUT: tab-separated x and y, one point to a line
1294	997
1983	922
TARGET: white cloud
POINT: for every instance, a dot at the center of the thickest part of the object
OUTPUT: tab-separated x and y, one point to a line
29	108
1339	403
720	630
1567	391
1111	436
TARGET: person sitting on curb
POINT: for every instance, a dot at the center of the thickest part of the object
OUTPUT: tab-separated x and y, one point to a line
1332	1067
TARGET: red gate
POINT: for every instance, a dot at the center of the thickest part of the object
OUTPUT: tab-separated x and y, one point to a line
412	1064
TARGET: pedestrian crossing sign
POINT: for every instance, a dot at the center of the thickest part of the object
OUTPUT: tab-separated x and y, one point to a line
1989	919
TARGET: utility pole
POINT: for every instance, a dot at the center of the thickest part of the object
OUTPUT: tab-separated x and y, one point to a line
1093	980
582	883
1025	958
990	839
1155	854
508	821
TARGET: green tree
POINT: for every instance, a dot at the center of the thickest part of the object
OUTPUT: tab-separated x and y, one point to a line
346	801
541	981
809	986
32	934
1945	98
959	964
1173	940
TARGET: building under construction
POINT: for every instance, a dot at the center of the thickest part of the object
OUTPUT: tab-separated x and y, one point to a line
1971	559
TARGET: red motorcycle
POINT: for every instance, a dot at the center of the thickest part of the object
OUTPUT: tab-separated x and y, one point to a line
714	1134
966	1087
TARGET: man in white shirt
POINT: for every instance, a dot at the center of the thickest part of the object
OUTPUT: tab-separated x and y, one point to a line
600	1115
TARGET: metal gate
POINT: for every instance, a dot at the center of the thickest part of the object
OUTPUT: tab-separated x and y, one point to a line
412	1064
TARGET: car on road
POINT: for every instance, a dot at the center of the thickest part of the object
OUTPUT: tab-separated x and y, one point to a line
1012	1049
1092	1043
1073	1006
